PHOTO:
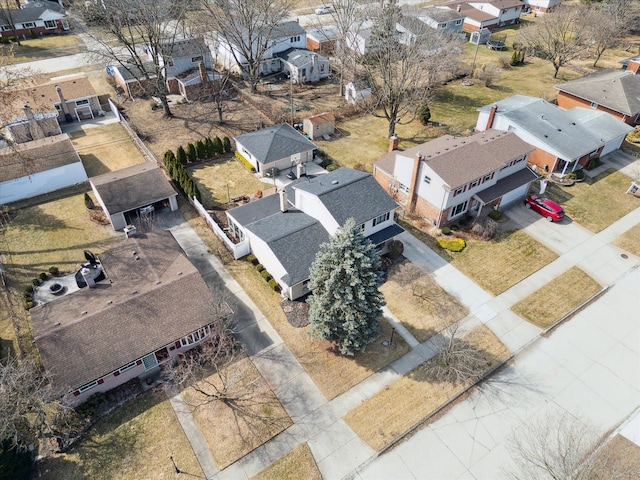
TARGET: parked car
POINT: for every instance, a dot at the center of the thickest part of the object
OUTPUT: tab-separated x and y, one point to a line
545	207
325	9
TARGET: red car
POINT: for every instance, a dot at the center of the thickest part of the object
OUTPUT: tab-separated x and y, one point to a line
545	207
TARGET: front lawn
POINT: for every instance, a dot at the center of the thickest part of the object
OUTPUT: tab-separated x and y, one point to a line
45	47
597	202
630	240
418	302
391	412
547	305
298	463
133	443
249	417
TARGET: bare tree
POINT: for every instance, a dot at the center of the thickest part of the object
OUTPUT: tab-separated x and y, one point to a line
145	31
29	406
603	31
558	37
622	10
562	446
244	29
402	66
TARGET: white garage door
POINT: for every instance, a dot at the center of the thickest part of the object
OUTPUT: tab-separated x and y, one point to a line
514	195
612	145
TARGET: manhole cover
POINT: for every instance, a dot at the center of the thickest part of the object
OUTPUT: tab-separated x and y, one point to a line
624	255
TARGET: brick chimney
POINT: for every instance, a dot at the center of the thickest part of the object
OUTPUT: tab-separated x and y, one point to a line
35	129
63	102
202	70
492	114
284	205
458	8
411	203
393	143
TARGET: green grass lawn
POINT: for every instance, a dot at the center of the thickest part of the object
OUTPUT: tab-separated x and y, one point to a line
134	443
597	202
547	305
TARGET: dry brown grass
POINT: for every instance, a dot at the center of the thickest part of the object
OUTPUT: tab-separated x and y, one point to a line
133	443
421	316
550	303
252	416
617	456
630	240
398	407
224	178
105	149
298	463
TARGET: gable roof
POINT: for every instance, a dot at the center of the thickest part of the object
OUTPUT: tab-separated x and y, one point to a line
439	14
618	90
152	299
287	29
469	11
299	57
274	143
185	48
549	124
32	14
132	187
324	33
131	72
36	156
321	118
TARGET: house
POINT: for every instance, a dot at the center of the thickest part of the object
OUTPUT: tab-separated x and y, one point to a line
323	39
50	102
303	66
449	177
489	14
151	306
38	167
439	18
359	37
616	92
285	230
275	148
540	7
124	193
32	22
132	79
187	67
319	125
564	140
631	64
284	36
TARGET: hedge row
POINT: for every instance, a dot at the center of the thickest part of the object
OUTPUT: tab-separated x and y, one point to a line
178	173
202	150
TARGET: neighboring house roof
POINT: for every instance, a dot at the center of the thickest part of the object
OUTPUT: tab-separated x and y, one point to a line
460	160
469	11
33	14
132	72
615	89
132	187
551	125
287	29
274	143
321	118
185	48
299	57
439	14
324	33
49	4
154	296
36	156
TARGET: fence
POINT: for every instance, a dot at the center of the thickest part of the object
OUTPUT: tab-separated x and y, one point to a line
239	250
134	136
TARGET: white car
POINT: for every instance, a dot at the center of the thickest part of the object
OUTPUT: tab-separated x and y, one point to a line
324	9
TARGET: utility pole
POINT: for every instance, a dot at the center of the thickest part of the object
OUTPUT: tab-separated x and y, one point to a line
291	96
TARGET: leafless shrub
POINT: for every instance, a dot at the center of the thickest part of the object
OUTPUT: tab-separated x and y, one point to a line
488	74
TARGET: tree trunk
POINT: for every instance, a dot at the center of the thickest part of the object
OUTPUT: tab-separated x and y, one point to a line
165	105
219	109
556	68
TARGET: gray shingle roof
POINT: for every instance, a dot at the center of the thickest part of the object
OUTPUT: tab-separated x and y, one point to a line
185	47
27	15
507	184
287	29
132	187
615	89
298	57
441	14
549	124
150	302
606	127
274	143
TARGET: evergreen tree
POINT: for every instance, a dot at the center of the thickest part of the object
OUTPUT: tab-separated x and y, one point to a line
211	151
344	281
192	156
181	155
217	145
226	143
201	150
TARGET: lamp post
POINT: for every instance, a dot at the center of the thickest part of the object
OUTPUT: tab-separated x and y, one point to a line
178	472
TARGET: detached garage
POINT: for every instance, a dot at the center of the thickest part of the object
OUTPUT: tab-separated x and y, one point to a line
123	193
39	167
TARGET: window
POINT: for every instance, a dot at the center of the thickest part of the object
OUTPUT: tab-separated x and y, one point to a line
82	102
197	58
442	25
427	179
594	105
88	386
58	107
295	39
458	209
403	188
28	25
475	183
128	366
459	190
459	21
196	336
322	67
487	177
50	24
362	227
380	219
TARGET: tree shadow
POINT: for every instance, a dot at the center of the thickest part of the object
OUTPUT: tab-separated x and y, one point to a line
93	165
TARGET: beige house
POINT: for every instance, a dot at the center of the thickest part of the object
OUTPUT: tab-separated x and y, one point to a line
319	125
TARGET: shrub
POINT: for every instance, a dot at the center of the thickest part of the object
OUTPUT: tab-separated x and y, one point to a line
579	174
245	162
274	285
259	267
33	34
252	259
88	202
28	289
43	276
455	228
217	146
201	150
15	464
54	271
192	156
495	214
266	275
593	163
208	143
395	249
35	282
181	155
226	144
28	304
446	231
452	244
331	167
154	105
515	58
423	113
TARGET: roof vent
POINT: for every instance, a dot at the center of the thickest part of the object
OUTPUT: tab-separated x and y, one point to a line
109	302
335	182
546	136
137	257
179	273
134	292
158	282
135	253
83	313
437	153
57	324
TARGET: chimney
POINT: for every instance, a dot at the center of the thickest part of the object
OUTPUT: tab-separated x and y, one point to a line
458	8
411	203
284	206
300	170
393	143
492	114
35	129
63	102
204	78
